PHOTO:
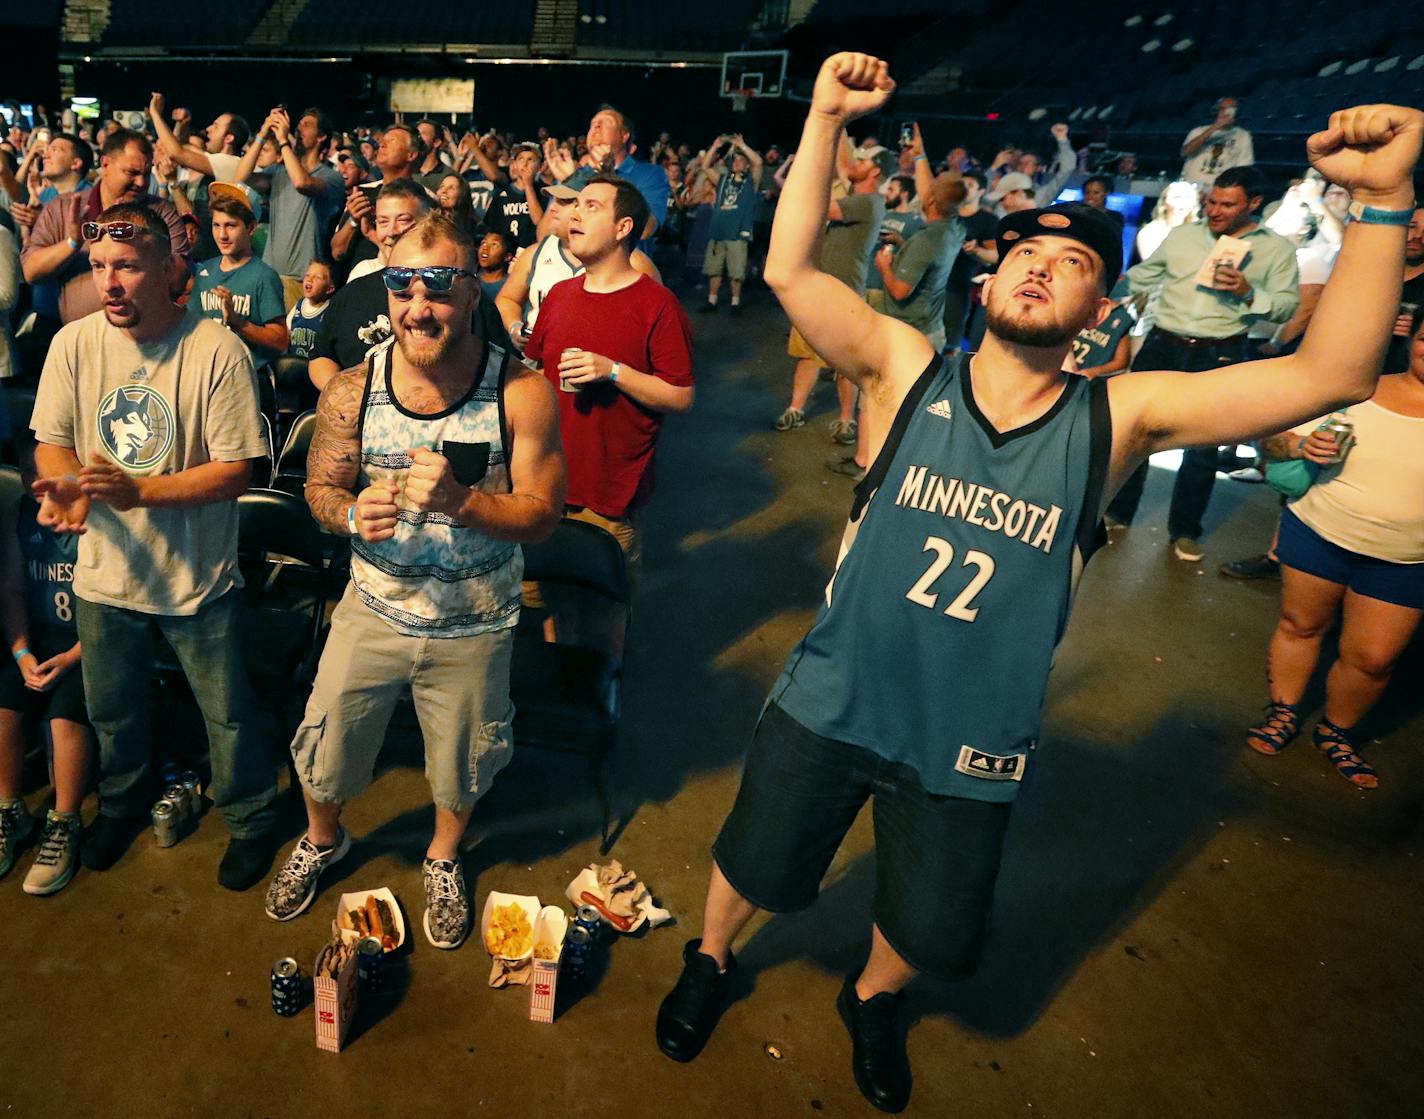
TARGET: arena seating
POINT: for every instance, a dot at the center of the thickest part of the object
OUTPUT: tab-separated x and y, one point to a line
652	25
176	23
344	22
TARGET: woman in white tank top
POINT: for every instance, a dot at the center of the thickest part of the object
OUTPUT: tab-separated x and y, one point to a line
1353	543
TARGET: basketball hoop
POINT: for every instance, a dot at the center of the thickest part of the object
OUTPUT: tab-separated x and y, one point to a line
740	97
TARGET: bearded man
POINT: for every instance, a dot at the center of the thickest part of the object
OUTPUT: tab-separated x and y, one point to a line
410	457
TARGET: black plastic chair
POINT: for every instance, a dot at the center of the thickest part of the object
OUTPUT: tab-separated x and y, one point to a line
11	488
290	475
295	392
569	697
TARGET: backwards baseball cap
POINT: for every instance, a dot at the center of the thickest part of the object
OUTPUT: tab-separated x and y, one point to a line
1007	184
240	193
1093	228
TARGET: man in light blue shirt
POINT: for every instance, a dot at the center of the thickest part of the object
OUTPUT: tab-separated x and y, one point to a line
610	144
1201	327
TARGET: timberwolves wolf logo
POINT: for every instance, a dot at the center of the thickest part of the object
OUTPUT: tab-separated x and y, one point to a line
136	426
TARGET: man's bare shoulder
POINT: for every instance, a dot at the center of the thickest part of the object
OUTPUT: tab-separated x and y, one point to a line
339	406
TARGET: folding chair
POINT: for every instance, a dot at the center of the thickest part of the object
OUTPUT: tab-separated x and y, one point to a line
290	475
568	697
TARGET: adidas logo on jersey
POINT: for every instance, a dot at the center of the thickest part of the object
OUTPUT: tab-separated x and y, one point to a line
941	409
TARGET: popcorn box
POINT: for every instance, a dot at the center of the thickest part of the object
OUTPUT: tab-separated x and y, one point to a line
335	1001
355	899
494	901
549	932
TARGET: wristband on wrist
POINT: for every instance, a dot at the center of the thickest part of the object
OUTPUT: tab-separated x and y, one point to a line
351	519
75	245
21	653
1372	215
613	373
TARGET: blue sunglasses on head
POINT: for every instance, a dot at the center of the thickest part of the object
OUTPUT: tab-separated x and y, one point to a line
439	279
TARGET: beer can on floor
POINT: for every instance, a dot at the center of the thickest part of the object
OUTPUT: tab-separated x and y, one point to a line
165	823
287	987
179	796
589	918
193	786
578	947
369	958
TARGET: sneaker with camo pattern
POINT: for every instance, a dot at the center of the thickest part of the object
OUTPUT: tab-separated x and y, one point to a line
294	887
16	827
447	906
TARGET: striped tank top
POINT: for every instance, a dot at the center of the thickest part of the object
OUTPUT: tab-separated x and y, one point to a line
436	578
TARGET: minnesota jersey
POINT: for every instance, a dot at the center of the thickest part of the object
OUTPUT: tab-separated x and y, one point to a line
552	264
953	587
49	570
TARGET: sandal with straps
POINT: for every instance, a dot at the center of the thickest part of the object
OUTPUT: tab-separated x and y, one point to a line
1334	742
1276	731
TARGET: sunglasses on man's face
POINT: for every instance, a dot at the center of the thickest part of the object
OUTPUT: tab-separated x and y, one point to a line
117	230
437	280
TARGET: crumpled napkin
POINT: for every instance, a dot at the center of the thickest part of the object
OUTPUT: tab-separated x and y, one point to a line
621	900
511	973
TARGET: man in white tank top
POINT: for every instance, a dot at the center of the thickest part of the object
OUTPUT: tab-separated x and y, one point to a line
438	456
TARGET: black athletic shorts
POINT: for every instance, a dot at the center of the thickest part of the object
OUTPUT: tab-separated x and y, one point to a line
63	701
936	857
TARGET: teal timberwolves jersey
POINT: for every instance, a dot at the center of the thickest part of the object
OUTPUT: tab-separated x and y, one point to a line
953	587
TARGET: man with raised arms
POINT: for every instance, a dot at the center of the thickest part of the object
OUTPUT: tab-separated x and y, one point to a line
987	482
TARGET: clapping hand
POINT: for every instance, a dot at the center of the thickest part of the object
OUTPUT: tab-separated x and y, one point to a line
105	482
64	507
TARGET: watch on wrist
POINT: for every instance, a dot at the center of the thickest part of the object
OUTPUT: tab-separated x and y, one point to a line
613	373
1373	215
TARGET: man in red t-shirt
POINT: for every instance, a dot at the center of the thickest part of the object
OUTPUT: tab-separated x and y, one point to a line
619	345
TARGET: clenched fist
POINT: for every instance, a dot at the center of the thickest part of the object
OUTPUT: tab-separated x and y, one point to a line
1371	151
430	486
376	511
851	85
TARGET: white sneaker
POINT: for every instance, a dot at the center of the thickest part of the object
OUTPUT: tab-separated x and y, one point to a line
54	866
1187	550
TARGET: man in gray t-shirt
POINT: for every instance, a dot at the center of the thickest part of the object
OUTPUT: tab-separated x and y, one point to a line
917	276
146	423
304	192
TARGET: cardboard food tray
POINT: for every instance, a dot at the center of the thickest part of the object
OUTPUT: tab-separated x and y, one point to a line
531	907
356	898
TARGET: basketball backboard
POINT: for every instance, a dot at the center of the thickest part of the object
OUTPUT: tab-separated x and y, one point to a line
758	73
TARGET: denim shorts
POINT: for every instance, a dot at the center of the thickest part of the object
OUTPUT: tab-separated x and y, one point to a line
936	857
1304	549
460	686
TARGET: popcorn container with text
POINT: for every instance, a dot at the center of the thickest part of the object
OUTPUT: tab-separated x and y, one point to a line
549	932
335	1002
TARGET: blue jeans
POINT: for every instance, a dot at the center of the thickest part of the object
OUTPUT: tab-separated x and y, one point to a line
118	666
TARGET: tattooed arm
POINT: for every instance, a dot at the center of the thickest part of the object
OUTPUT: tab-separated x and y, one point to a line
333	462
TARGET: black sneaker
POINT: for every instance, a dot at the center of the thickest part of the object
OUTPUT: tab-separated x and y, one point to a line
878	1057
707	309
736	310
245	862
1253	567
106	840
689	1014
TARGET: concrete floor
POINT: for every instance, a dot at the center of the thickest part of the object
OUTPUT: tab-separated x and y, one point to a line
1182	928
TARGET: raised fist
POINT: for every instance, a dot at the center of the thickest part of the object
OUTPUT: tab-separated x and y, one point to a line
851	86
1371	151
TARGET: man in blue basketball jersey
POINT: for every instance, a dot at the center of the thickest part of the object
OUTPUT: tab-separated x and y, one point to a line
922	679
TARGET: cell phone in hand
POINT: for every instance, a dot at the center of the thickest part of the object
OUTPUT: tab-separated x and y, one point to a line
907	135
